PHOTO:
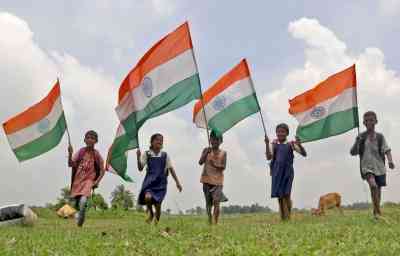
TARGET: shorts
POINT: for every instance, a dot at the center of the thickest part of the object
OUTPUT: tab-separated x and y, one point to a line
380	180
213	193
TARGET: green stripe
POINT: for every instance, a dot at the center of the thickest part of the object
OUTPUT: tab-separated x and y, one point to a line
234	113
118	159
334	124
175	97
44	143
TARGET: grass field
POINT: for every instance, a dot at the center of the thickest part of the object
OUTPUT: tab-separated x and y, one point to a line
125	233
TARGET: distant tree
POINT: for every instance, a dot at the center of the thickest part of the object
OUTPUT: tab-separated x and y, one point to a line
390	204
254	208
191	211
358	206
64	198
96	201
122	198
199	210
50	206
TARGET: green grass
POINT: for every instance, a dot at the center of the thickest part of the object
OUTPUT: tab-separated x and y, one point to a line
125	233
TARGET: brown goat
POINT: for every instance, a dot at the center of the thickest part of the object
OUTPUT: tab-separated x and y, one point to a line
328	201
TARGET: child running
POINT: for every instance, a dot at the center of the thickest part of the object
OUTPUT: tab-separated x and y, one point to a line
372	148
155	183
87	172
281	166
214	160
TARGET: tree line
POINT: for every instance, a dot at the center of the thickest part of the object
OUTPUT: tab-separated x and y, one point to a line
121	198
233	209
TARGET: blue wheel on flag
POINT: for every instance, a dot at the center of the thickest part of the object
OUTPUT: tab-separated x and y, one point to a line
318	112
44	125
219	103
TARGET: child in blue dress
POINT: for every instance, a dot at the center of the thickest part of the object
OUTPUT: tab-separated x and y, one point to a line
281	166
155	183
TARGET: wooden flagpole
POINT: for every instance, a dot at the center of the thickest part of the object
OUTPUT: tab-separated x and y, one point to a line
66	125
258	103
358	134
201	93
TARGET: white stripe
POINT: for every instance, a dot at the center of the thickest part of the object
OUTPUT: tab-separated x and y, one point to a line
344	101
236	91
36	130
162	78
120	131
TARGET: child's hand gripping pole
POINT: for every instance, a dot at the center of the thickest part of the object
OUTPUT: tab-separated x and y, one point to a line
70	149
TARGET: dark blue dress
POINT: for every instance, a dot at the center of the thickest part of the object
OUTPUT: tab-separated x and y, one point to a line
156	179
282	172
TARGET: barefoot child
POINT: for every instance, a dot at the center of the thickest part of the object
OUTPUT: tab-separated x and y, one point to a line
214	160
87	172
281	166
155	183
372	149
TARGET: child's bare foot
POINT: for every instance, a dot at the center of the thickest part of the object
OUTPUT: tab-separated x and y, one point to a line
215	222
150	217
377	214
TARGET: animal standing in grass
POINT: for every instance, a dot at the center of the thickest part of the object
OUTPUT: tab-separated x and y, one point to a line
328	201
214	161
372	148
87	172
281	165
155	183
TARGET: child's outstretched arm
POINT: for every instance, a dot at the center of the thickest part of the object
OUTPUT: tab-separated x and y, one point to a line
102	172
268	152
302	150
71	163
178	184
203	156
388	152
139	161
356	147
390	159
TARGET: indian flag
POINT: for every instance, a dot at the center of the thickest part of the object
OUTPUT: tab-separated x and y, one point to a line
117	158
329	109
164	79
231	99
39	128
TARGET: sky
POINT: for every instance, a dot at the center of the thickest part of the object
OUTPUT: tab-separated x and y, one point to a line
290	47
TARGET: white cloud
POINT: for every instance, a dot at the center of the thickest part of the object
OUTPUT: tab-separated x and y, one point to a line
89	97
329	166
389	7
315	35
164	7
27	73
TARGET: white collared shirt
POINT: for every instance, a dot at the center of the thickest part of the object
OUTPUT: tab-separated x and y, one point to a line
143	158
